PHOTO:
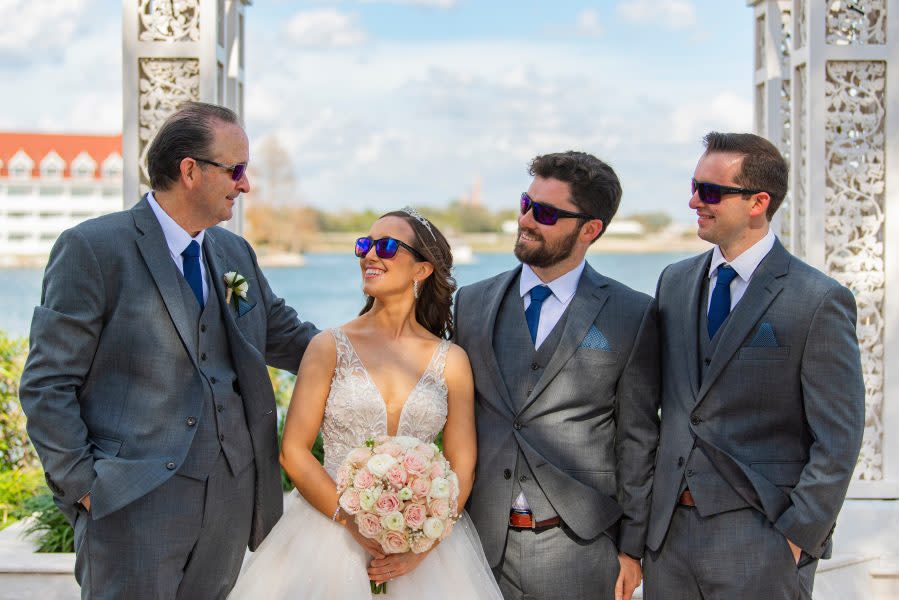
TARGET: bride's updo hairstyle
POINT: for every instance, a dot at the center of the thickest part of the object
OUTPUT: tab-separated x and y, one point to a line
433	309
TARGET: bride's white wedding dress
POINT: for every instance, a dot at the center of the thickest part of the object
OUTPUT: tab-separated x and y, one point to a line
308	556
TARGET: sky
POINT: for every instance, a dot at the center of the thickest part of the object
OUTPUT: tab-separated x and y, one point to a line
382	103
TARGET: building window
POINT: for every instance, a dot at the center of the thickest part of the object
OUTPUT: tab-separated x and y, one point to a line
112	166
52	166
18	237
83	167
20	165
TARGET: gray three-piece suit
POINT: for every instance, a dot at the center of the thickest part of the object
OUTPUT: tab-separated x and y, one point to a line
761	423
572	424
163	412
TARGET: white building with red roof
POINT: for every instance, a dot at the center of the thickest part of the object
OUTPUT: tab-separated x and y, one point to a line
51	182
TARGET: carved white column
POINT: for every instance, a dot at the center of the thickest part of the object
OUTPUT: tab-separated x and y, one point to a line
174	51
831	62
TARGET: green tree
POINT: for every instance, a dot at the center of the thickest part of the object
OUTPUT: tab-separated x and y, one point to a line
16	451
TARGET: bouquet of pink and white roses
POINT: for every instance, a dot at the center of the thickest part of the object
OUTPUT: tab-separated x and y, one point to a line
402	493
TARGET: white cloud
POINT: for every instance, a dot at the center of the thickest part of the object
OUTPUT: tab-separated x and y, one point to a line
674	14
427	3
588	23
725	111
327	28
32	31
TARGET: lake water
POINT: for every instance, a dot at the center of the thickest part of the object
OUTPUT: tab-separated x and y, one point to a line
327	290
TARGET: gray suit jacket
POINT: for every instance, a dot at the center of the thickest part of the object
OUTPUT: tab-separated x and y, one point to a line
780	411
589	428
112	371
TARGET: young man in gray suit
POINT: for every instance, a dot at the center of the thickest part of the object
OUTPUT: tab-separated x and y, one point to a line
762	396
565	365
146	388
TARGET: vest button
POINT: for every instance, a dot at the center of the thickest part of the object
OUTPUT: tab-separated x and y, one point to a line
213	380
222	438
707	361
523	478
203	327
507	474
191	421
203	356
517	426
221	407
689	472
694	420
680	461
534	366
170	465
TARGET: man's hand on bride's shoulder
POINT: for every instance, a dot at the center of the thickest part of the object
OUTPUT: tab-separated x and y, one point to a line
394	565
370	545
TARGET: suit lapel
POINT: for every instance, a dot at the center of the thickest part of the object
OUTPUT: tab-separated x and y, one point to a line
155	252
764	287
691	323
588	300
491	302
218	266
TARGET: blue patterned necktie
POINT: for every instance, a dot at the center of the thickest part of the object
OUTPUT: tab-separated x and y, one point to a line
719	308
192	274
532	314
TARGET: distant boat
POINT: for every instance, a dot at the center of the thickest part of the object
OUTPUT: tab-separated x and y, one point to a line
462	253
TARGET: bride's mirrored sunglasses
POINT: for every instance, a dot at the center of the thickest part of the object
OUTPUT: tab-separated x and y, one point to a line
385	247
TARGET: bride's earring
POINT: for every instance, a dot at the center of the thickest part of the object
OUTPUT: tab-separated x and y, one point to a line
416	290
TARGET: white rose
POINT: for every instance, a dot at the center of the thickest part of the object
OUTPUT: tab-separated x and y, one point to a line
379	464
242	289
406	441
433	528
229	277
405	494
393	521
440	488
367	498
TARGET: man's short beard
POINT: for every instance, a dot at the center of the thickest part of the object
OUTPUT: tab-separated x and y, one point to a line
546	255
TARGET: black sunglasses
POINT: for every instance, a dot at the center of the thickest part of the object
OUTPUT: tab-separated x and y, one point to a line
237	171
711	193
546	214
386	247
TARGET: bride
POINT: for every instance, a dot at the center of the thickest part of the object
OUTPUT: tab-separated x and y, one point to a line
389	371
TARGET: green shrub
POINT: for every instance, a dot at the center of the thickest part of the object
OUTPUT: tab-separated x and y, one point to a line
16	451
318	450
15	488
49	526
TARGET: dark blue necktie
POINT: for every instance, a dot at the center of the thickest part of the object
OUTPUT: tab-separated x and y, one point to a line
719	308
192	274
532	314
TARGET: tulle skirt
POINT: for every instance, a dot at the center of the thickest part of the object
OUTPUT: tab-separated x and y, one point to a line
307	555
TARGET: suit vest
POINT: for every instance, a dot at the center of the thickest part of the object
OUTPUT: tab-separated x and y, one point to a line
222	425
521	367
711	492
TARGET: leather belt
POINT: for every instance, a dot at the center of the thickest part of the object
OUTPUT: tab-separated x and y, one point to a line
525	520
686	499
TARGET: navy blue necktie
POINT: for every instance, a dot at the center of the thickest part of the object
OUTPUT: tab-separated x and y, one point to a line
532	314
192	273
719	308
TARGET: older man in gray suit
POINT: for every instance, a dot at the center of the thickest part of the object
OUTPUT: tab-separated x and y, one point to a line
566	371
762	396
146	388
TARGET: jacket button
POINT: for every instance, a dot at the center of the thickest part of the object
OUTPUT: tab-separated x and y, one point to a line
203	327
680	461
534	366
507	474
170	465
191	421
516	425
213	380
222	438
707	361
695	420
689	472
221	407
203	356
523	478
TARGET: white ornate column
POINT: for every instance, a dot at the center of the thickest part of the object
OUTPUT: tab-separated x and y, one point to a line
174	51
827	93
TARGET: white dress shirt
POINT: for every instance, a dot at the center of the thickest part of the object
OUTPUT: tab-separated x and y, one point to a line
177	240
563	289
745	265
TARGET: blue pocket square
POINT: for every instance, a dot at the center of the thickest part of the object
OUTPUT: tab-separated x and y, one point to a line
764	337
244	306
595	340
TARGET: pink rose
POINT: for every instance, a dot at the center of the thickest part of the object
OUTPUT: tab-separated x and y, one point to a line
396	476
437	470
391	448
358	456
420	487
415	463
363	479
426	450
394	542
349	501
342	477
421	544
439	508
369	524
388	503
415	515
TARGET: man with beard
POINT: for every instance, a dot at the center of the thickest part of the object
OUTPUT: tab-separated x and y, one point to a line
565	365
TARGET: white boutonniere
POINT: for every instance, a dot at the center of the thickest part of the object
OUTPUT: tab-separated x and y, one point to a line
236	286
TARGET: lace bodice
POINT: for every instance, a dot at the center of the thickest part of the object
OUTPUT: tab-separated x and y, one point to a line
355	410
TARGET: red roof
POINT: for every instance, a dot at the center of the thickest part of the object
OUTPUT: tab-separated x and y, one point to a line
39	145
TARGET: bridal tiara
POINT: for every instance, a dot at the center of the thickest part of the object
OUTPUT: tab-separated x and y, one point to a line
420	218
